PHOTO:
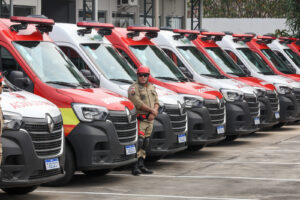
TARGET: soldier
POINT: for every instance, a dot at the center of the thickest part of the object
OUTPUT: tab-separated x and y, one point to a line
144	97
1	119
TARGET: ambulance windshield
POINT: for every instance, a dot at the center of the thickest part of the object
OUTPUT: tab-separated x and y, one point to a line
160	64
50	64
110	62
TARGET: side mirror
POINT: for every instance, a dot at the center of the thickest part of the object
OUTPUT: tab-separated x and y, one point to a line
186	72
17	78
245	69
89	76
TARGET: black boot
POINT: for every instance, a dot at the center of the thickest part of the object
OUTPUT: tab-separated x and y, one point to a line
143	168
135	169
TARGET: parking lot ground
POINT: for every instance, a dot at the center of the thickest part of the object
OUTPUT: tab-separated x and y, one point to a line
264	165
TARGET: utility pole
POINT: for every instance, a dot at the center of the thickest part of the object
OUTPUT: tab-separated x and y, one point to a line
156	13
196	14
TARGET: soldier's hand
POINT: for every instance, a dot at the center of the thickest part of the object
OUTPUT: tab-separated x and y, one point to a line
154	112
151	117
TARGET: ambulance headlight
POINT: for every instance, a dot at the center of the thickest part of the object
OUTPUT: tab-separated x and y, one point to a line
12	121
193	101
89	113
232	95
283	89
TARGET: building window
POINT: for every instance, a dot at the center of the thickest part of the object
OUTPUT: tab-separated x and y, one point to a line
88	16
23	10
123	19
174	22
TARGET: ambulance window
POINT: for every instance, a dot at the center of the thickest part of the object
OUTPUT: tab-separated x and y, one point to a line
74	57
126	56
234	57
173	56
8	64
281	56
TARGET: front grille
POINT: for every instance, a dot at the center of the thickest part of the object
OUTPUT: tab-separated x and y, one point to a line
253	104
126	130
274	101
46	144
177	117
123	157
297	95
216	110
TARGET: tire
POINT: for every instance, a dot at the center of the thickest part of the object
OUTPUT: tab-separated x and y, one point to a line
20	190
230	138
153	158
279	125
69	169
100	172
195	148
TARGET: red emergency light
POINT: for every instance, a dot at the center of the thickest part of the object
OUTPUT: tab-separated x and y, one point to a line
242	37
95	25
216	36
151	32
191	34
286	40
103	28
266	39
44	25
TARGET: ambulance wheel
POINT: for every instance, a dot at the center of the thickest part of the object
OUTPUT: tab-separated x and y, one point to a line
230	138
279	125
69	169
100	172
195	148
20	190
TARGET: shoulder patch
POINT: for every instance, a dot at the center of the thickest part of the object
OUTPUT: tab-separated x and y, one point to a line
132	91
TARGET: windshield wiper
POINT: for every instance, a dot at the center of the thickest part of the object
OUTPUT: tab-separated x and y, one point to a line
218	76
239	75
167	78
121	80
74	85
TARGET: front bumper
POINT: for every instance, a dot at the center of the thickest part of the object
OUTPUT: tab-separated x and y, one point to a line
21	167
238	119
201	130
288	109
96	146
164	141
267	115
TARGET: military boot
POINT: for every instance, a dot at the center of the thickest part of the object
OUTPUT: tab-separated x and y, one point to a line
142	166
135	169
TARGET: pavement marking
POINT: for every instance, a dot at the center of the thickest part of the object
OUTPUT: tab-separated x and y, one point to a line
285	141
228	162
141	195
214	177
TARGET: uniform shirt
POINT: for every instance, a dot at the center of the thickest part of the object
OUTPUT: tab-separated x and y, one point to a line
140	95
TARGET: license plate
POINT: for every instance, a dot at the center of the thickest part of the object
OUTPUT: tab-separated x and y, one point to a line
130	149
220	129
52	164
181	138
256	121
277	116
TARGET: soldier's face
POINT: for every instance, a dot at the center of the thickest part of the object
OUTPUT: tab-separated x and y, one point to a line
143	78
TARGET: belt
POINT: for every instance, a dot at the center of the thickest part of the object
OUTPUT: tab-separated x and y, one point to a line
142	116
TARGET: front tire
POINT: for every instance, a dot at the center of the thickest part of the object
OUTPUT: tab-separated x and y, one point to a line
20	190
100	172
230	138
195	148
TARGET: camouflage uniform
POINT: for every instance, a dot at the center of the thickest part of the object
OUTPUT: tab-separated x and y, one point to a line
146	95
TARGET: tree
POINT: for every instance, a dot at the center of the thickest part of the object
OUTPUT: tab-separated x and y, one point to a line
293	16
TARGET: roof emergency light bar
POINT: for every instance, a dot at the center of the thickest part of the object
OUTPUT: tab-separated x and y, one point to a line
216	36
286	40
44	25
151	32
104	29
266	39
242	37
191	34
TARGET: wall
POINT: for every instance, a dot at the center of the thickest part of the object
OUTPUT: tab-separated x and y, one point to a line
242	25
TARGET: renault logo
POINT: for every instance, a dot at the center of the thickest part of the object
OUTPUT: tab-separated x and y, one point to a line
50	123
128	114
180	109
219	103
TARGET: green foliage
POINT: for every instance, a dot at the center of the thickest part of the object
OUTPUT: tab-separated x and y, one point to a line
283	33
293	16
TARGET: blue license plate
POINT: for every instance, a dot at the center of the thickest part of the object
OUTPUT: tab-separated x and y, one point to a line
220	130
52	164
130	149
181	138
256	121
277	116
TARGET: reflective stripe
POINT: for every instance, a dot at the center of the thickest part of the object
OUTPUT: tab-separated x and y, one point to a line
140	132
69	117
